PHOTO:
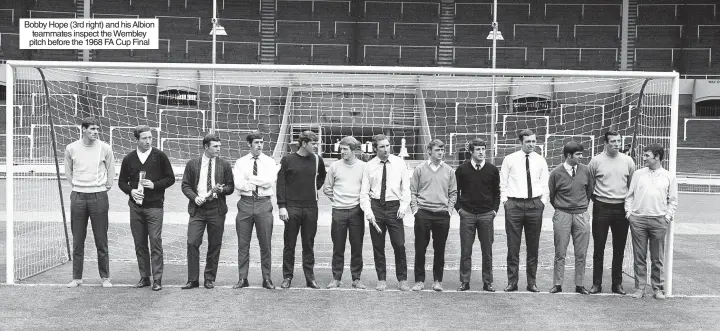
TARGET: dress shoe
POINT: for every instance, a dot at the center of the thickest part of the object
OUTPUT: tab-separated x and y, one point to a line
191	284
157	285
556	289
487	287
595	289
437	286
403	286
581	290
209	284
464	286
419	286
268	284
312	284
532	288
334	284
286	283
658	294
241	283
618	289
358	284
511	288
381	285
144	282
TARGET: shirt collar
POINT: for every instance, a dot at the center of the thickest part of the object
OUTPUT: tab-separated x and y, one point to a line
430	163
205	158
145	153
474	165
568	167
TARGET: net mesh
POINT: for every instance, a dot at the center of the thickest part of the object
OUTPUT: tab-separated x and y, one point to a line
409	108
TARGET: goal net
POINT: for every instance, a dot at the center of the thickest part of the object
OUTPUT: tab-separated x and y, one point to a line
410	105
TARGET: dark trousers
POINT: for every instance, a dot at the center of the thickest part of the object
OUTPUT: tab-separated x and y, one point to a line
206	216
147	223
609	216
427	223
346	221
648	230
258	212
482	224
387	221
519	214
302	220
94	206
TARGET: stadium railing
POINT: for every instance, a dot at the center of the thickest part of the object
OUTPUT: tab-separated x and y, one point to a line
415	29
222	47
672	52
279	9
340	23
582	7
675	7
399	48
400	5
711	39
595	28
536	25
51	14
685	123
489	9
311	55
175	24
297	27
489	51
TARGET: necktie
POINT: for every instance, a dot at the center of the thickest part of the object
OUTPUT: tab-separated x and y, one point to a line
383	184
573	172
477	166
529	180
208	185
255	192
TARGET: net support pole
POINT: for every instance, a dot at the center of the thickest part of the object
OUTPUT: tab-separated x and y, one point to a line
674	109
9	194
214	55
493	103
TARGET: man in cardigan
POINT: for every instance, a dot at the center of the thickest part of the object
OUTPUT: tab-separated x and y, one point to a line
650	207
206	182
90	169
301	175
478	183
433	191
146	202
571	186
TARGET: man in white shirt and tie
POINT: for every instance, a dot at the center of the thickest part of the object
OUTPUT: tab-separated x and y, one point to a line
524	192
255	174
384	198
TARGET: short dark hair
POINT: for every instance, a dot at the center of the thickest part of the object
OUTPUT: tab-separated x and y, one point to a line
306	137
477	142
378	138
140	129
435	143
657	150
525	133
608	133
571	148
208	138
252	136
350	142
88	121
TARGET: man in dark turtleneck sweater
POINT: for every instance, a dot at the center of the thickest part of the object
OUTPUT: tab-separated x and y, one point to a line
146	202
301	175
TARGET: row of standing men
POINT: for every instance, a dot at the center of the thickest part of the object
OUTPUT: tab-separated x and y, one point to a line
378	193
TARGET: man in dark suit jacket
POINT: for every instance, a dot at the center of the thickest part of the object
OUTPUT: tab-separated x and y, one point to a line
206	182
145	174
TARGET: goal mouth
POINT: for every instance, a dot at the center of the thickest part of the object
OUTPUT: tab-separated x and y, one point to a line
411	106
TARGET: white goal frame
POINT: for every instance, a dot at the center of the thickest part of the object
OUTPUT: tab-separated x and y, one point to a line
289	69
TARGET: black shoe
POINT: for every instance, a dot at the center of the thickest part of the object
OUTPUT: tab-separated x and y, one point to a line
312	284
581	290
556	289
241	283
618	289
144	282
532	288
209	284
596	289
191	284
157	285
464	286
487	287
268	284
286	283
511	288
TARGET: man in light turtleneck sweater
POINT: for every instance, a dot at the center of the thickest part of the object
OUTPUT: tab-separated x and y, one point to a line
90	169
612	172
342	186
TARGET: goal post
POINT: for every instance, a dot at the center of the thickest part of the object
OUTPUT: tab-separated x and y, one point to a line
409	105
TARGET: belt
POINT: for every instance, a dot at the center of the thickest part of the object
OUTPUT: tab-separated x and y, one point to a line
522	199
250	197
